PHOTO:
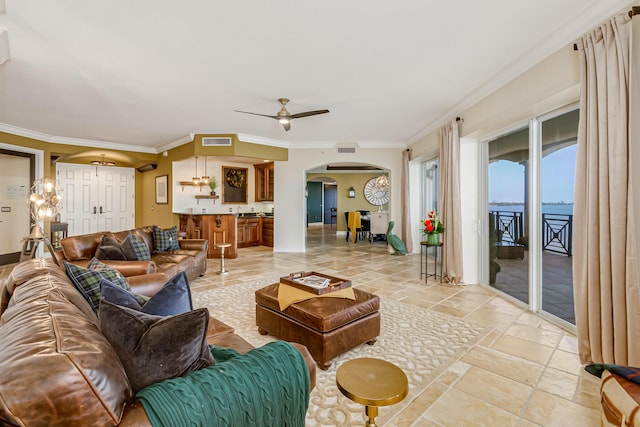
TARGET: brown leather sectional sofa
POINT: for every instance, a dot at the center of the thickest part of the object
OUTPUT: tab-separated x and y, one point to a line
191	258
56	366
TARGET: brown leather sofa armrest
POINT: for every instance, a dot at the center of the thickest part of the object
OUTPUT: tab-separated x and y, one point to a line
135	416
59	255
311	364
194	244
147	284
132	268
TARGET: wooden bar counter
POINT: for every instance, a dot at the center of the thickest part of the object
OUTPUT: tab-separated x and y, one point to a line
217	228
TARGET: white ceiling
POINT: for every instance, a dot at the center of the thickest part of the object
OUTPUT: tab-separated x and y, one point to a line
146	73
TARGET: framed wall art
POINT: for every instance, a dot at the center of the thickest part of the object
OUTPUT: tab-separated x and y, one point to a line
234	184
162	189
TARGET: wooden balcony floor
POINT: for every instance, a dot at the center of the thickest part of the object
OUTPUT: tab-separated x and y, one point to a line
557	283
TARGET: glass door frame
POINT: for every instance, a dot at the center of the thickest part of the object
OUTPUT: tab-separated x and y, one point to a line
534	210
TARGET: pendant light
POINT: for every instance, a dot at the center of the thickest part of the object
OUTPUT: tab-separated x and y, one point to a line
205	178
196	179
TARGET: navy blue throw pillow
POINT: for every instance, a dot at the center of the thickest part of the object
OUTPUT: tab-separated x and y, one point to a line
174	297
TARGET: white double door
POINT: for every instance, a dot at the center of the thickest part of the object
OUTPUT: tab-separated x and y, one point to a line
96	198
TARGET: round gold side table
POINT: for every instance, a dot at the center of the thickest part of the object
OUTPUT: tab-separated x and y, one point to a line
373	383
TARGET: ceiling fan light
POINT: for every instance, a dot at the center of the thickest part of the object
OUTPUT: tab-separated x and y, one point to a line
284	120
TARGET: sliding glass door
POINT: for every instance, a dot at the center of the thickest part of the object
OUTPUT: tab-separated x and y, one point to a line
530	174
508	213
558	169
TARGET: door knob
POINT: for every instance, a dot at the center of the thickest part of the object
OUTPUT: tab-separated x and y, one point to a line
101	209
95	210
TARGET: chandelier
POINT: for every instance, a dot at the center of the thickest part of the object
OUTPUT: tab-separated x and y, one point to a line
103	161
382	183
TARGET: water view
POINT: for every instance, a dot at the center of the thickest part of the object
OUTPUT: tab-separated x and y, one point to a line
547	208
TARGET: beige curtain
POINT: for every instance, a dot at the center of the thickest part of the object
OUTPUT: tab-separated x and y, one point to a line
449	197
406	203
605	274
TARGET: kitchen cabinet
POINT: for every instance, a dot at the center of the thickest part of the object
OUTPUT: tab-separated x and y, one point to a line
249	231
216	228
264	173
267	232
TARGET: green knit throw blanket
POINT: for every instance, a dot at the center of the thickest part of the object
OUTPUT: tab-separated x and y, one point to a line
268	386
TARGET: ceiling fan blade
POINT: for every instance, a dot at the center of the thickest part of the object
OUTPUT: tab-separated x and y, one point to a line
308	113
256	114
286	126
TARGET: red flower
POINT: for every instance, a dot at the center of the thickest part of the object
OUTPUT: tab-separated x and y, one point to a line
428	225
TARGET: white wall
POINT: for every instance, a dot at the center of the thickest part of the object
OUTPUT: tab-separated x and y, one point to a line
184	200
470	188
415	188
290	178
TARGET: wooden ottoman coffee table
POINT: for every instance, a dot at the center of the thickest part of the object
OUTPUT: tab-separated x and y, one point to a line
328	327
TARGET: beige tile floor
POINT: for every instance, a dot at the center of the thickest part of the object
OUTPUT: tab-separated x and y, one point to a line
524	373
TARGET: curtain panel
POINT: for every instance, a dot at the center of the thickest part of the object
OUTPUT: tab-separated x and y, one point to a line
449	197
607	304
406	203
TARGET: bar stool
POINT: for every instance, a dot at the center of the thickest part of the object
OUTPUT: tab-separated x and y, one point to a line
222	246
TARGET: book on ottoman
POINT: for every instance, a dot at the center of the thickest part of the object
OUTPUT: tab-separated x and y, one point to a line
317	283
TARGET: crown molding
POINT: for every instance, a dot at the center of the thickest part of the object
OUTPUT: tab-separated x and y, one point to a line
307	145
27	133
178	142
589	16
263	141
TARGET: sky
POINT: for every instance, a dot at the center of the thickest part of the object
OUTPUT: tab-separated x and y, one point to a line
506	179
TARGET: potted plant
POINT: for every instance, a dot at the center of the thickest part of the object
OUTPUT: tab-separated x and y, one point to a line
432	227
213	184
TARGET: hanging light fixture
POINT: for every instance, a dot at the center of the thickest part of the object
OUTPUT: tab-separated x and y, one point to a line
196	179
103	161
382	183
205	178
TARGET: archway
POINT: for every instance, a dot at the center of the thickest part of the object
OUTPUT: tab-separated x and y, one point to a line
339	185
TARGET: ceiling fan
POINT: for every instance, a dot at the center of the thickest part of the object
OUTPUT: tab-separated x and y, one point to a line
284	117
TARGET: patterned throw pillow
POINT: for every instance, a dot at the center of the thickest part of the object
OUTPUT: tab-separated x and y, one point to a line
135	249
174	297
87	280
165	240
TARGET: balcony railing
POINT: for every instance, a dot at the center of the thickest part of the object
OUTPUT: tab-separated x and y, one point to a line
557	230
557	233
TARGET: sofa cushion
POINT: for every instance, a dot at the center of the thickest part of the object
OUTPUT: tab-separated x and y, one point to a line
57	367
153	348
81	247
165	240
87	280
109	249
135	249
174	297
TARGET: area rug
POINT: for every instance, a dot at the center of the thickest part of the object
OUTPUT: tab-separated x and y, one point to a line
423	343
